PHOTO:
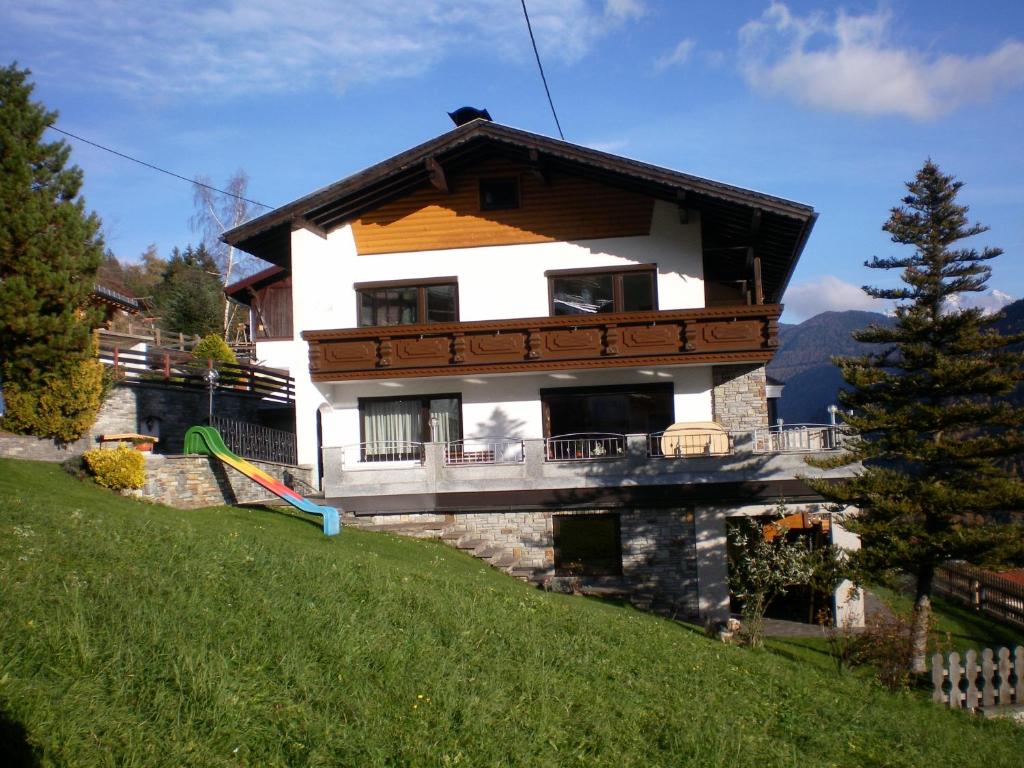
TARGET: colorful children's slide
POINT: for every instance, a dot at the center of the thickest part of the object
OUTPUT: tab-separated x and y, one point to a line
207	441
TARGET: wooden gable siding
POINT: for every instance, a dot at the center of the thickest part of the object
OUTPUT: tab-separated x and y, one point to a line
274	319
565	208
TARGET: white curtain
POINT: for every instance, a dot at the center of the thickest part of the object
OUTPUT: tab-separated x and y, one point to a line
390	422
445	417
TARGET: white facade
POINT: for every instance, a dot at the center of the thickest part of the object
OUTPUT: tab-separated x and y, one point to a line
495	282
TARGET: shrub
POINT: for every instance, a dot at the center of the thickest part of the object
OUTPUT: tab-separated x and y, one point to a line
119	468
63	406
886	645
213	347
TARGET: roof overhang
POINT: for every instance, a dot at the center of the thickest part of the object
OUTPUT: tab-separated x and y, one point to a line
735	218
242	290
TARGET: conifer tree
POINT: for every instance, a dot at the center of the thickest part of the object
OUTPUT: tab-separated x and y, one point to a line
50	247
935	434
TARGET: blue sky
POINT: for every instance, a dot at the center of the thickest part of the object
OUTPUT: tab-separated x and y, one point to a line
835	106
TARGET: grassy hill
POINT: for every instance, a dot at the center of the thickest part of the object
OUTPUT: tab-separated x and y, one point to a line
137	635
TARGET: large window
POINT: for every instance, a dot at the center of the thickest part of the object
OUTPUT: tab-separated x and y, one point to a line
633	409
393	427
407	302
596	291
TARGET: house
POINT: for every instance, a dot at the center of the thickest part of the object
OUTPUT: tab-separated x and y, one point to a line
554	354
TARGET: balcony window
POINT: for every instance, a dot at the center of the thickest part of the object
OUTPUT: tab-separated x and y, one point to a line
408	302
396	426
617	410
591	292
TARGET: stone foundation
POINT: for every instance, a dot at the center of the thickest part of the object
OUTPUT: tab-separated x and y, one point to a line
202	481
659	555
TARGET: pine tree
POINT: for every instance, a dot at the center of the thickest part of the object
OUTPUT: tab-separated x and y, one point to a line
189	298
936	435
50	246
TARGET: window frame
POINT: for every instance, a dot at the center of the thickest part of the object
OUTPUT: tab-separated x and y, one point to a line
658	389
513	180
616	273
420	284
424	411
588	571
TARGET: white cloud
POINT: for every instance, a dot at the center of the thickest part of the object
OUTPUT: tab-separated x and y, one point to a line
677	56
230	47
850	64
828	294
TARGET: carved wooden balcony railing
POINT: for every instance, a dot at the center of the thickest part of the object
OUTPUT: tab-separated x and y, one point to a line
712	335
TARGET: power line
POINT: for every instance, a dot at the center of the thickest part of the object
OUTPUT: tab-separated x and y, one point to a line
156	167
540	66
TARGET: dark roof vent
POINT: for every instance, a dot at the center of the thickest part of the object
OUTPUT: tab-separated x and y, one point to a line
463	115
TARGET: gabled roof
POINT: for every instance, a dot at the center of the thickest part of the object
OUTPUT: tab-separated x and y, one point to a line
734	218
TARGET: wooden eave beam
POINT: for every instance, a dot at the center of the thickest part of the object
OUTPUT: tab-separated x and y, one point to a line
538	166
437	175
300	222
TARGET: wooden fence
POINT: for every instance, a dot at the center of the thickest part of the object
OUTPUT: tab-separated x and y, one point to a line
984	591
180	369
997	681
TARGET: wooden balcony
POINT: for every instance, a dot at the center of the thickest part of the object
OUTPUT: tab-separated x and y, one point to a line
676	337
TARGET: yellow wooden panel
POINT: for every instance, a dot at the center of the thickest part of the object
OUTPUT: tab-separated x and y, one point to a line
565	208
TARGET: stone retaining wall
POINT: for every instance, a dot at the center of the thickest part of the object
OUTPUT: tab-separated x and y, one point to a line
168	412
202	481
39	449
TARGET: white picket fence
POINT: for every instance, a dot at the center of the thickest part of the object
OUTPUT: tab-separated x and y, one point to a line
996	681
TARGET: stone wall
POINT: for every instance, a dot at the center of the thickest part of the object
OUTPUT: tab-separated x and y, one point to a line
738	399
659	555
202	481
39	449
168	412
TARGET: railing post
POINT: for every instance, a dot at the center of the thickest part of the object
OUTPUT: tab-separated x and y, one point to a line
167	365
116	356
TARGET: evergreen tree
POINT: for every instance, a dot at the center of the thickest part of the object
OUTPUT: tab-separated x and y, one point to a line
189	298
50	246
936	435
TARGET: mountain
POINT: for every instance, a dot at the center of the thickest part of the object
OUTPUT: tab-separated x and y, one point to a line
804	362
804	359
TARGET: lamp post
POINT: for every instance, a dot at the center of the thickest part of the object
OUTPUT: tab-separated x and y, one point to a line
211	377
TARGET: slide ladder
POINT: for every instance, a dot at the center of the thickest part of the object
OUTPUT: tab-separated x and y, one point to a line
208	441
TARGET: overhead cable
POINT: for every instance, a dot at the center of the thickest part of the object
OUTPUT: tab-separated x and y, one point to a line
157	168
540	66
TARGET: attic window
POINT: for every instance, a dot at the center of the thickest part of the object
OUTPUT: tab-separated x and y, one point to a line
499	194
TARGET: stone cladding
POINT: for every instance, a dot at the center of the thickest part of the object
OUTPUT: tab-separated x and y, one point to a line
738	399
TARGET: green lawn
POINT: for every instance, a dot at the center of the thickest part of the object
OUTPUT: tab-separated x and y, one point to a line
138	635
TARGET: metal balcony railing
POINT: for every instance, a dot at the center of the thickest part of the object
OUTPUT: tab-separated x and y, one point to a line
799	438
585	446
382	451
485	450
690	443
